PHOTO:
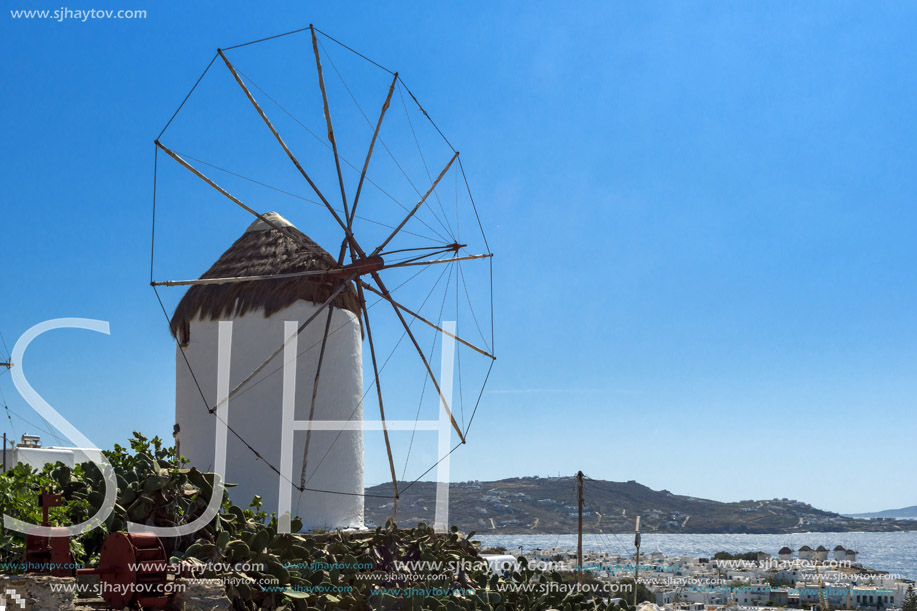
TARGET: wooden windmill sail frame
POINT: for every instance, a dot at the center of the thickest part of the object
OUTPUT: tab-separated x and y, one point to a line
364	268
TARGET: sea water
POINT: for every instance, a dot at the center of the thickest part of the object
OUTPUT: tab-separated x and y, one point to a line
884	551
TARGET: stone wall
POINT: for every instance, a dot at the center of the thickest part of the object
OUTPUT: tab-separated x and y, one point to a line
37	593
200	595
34	593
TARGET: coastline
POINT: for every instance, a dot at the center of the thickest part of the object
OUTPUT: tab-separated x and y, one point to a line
892	552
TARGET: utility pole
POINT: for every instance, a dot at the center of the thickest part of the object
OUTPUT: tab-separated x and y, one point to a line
637	561
822	595
8	365
176	434
579	530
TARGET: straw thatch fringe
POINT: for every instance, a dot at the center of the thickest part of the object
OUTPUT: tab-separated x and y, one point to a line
261	252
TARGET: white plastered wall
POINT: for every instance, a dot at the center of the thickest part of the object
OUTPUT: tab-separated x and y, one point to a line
256	411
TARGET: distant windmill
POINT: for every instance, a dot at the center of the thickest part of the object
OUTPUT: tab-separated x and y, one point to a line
274	273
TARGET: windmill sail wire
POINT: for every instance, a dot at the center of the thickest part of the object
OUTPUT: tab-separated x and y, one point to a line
312	201
380	370
423	390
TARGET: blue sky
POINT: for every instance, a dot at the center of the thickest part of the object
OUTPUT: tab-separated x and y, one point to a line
702	214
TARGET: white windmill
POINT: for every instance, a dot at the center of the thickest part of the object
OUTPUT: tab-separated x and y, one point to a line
274	276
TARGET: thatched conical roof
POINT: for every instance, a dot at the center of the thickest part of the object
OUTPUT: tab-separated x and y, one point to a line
262	250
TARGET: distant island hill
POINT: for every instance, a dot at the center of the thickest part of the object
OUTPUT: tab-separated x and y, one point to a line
547	505
905	513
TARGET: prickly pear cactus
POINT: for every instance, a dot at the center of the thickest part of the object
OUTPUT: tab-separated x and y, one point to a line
388	568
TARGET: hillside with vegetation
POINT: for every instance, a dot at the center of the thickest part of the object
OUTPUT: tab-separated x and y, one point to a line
536	505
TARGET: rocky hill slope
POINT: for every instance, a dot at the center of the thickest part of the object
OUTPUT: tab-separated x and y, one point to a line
538	505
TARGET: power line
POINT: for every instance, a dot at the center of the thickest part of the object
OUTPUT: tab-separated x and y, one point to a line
5	347
49	431
7	410
617	539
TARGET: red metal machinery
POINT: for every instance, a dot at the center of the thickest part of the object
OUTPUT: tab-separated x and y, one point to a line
44	554
132	569
132	566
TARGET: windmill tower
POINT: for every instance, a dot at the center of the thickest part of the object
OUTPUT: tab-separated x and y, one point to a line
258	310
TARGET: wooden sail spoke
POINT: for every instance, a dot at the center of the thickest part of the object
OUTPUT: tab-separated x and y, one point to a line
420	353
437	261
232	198
417	206
334	146
206	281
291	156
360	267
318	374
372	351
389	298
369	153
